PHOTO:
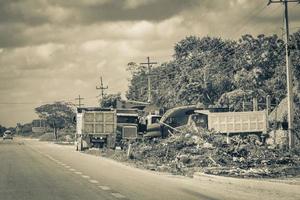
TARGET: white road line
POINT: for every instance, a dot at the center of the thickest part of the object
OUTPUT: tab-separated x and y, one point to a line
118	195
104	187
67	166
94	181
71	169
84	176
78	173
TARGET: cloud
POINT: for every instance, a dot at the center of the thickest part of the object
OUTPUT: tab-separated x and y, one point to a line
55	50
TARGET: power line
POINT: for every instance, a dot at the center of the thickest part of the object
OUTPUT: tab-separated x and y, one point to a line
289	71
79	101
149	65
102	88
248	19
42	102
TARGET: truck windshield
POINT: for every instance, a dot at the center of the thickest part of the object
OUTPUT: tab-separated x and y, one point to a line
127	119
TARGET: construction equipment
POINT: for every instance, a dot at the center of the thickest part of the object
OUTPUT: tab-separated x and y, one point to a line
127	124
219	121
96	127
232	122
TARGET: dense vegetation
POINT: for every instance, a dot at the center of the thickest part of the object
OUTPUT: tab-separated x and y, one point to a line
2	130
58	115
214	71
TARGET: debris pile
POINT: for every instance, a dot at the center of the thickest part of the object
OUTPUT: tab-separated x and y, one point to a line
197	150
202	151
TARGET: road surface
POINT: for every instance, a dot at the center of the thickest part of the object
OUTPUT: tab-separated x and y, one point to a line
33	170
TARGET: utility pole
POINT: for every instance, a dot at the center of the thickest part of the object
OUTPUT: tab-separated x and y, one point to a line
289	71
149	65
79	101
102	88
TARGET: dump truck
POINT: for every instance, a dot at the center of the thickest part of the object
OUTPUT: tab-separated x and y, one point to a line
96	127
127	124
232	122
152	119
217	120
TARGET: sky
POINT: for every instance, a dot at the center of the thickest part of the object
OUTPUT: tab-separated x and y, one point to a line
54	50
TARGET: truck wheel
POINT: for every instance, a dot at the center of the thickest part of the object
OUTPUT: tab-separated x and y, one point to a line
76	145
80	145
110	141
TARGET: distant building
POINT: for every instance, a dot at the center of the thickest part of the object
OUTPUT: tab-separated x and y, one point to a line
39	126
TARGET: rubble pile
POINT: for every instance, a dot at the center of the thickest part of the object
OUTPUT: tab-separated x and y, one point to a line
202	151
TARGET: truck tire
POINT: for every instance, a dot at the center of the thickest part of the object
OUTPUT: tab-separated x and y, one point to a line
110	141
80	145
76	145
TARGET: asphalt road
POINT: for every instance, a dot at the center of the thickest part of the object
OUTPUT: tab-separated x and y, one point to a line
33	170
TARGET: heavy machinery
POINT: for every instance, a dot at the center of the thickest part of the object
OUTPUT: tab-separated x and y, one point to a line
102	127
127	124
217	120
173	118
232	122
153	127
96	127
152	119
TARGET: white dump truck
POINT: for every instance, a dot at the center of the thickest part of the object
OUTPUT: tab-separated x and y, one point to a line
232	122
96	127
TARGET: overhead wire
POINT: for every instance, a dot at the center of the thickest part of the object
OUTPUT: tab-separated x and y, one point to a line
216	48
43	102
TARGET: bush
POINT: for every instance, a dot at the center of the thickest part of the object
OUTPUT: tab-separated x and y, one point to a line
47	137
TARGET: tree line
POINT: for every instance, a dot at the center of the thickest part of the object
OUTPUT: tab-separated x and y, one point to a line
215	71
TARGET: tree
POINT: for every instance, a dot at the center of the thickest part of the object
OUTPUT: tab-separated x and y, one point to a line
2	130
138	88
203	69
25	129
58	115
110	101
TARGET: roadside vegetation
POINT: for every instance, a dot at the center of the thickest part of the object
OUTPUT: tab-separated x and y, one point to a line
218	72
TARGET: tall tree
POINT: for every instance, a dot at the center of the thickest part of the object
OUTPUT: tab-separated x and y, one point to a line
110	100
58	115
203	69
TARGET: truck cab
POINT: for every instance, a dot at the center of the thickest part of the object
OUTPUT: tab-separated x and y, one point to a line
152	119
127	124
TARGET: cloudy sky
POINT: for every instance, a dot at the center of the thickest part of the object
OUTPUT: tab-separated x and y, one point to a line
54	50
